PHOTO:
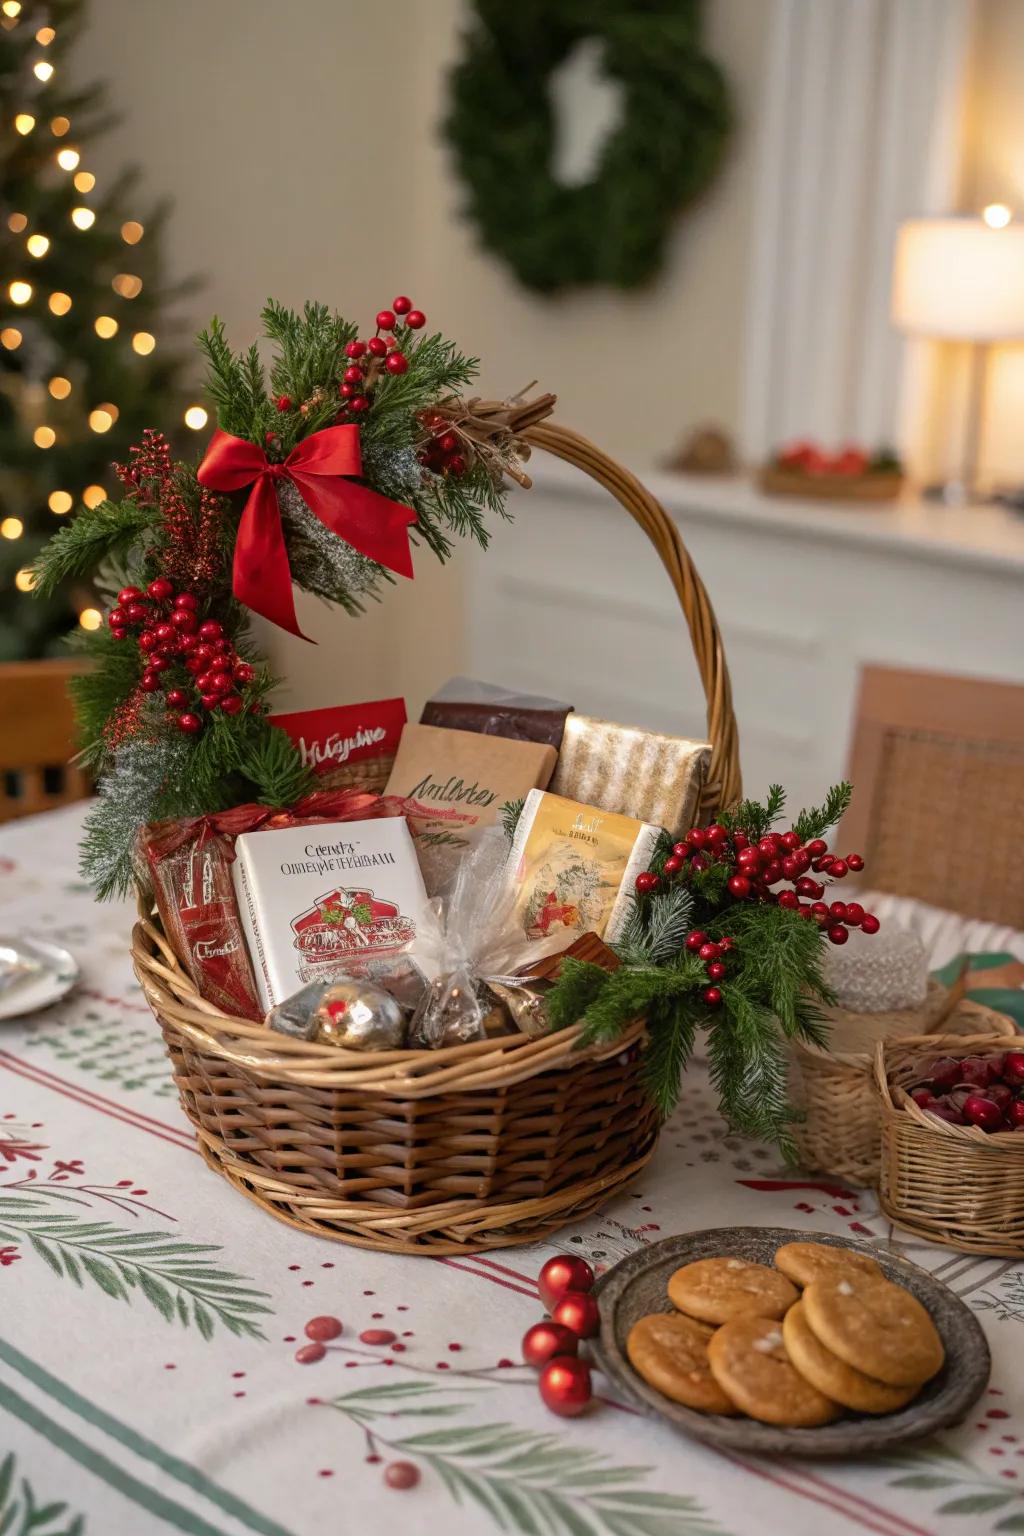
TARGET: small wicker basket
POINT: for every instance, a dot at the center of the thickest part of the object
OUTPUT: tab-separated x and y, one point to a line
834	1086
475	1146
950	1184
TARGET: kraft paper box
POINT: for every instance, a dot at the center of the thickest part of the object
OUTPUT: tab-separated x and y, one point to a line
636	772
574	866
461	780
327	900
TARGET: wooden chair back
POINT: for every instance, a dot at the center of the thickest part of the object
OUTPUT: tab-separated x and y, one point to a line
37	738
937	766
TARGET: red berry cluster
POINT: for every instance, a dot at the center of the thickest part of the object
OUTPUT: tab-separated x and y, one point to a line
711	952
169	631
443	453
382	352
565	1285
985	1091
757	867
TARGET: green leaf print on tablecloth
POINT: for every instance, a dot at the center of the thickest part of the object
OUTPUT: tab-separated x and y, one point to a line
22	1515
959	1486
527	1481
175	1277
130	1056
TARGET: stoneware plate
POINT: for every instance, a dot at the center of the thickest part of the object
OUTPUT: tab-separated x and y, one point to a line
637	1285
57	974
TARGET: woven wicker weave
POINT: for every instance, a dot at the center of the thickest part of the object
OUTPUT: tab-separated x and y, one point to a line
950	1184
475	1146
841	1133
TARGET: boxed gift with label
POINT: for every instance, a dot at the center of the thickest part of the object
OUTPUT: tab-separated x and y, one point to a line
318	902
347	743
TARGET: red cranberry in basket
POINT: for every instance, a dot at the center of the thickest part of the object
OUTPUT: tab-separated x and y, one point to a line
1015	1114
1001	1095
922	1097
942	1073
982	1112
977	1071
1013	1068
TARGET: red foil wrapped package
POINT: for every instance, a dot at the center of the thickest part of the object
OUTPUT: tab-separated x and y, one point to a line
190	862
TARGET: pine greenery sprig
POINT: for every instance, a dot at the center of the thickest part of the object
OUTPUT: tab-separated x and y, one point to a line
774	988
79	547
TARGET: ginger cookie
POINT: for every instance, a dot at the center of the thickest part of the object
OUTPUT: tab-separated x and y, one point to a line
876	1327
839	1381
804	1262
716	1290
670	1352
748	1359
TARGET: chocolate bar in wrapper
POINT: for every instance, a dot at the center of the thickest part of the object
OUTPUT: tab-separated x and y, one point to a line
635	772
466	704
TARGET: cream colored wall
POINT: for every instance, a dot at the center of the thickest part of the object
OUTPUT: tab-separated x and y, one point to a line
298	143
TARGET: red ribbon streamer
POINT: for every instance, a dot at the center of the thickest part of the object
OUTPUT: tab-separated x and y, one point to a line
320	467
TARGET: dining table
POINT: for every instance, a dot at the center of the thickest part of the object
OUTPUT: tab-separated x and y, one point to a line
172	1358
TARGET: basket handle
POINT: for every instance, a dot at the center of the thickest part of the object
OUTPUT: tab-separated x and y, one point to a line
529	422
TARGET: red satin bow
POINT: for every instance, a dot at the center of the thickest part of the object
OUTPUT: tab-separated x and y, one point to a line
319	466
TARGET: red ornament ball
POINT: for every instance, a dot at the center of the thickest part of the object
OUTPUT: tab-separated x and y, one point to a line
983	1112
346	391
854	862
712	997
160	589
739	886
854	914
243	672
646	882
672	865
448	442
716	970
189	723
210	630
790	900
837	911
117	618
137	612
563	1273
209	700
565	1386
323	1328
709	951
397	362
150	682
119	632
696	837
283	402
359	403
837	934
385	320
377	346
415	319
186	600
231	704
544	1341
184	620
177	698
838	869
695	939
578	1310
869	923
401	1474
355	349
456	465
353	375
816	847
401	305
790	841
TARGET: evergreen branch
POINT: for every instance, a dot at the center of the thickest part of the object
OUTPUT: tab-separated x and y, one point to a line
178	1279
748	1069
20	1505
510	814
655	927
754	818
76	549
672	1027
816	821
273	765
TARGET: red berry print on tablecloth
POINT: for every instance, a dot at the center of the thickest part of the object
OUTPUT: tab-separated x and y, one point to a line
323	1329
401	1474
377	1336
9	1255
309	1354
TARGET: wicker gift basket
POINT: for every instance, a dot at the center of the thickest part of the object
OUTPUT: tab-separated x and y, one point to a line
841	1130
950	1184
473	1146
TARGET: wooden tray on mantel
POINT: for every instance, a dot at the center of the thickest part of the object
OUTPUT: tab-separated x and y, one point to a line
885	485
637	1286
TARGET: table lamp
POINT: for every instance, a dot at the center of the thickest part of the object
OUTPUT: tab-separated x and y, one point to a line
962	279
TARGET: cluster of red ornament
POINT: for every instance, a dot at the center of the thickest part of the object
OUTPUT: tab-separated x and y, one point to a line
984	1091
367	358
443	452
759	866
169	631
711	952
565	1285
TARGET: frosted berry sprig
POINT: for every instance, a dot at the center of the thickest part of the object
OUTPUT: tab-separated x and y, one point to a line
170	632
757	870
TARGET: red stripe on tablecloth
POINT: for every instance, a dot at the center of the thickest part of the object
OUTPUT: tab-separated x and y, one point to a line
805	1493
138	1114
114	1112
119	1002
855	1498
482	1275
504	1270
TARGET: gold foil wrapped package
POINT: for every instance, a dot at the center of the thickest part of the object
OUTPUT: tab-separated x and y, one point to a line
349	1012
639	773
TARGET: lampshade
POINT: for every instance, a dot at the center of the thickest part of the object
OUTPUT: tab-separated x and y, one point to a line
957	278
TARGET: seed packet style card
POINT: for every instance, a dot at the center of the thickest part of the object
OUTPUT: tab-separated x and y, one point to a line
346	742
574	866
318	902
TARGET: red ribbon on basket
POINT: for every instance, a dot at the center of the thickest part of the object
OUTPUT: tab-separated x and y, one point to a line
321	466
165	837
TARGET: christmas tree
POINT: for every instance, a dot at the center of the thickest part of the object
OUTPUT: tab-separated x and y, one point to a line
85	361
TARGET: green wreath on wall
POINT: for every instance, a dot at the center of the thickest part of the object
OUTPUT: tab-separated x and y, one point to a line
501	124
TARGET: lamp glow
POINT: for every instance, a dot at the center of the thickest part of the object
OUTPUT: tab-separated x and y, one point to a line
105	326
59	387
24	580
68	158
37	245
12	528
997	215
60	502
100	420
83	218
196	418
960	279
90	618
24	122
16	222
143	343
85	181
127	285
93	495
59	126
44	437
132	232
11	8
45	36
59	303
43	70
20	293
11	338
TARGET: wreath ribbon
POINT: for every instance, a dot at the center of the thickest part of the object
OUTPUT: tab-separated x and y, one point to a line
321	466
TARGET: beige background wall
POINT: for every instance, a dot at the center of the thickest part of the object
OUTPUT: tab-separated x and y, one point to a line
298	143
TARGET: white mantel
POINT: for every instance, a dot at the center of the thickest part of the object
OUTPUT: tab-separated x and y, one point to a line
572	601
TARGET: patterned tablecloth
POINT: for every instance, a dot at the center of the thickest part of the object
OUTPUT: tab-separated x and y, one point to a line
152	1322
